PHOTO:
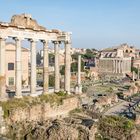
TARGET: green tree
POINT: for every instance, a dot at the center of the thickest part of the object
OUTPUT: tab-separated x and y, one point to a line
89	54
134	69
38	58
74	66
62	70
51	80
51	58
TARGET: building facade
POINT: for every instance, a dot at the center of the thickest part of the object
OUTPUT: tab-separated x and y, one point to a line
10	65
114	62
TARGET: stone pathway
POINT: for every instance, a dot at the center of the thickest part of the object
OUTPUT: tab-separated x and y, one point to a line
116	109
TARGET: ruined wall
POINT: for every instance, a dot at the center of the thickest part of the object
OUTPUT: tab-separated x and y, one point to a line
43	111
2	123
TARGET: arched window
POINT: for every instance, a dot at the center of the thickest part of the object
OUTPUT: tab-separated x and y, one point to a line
126	51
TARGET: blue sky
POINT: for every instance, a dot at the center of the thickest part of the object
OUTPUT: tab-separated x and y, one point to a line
94	23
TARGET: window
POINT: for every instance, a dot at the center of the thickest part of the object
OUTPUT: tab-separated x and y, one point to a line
11	81
10	66
126	51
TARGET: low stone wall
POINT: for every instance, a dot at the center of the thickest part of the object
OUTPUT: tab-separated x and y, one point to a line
43	111
3	129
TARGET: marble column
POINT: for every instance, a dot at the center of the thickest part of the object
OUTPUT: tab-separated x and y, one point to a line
133	76
45	68
79	70
18	70
57	70
79	75
123	70
3	94
67	66
119	66
33	67
114	66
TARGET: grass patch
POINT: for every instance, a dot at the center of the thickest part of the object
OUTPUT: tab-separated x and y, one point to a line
61	93
28	101
76	110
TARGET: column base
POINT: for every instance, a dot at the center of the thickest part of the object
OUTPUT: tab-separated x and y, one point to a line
3	99
56	90
45	92
78	89
18	97
34	95
67	92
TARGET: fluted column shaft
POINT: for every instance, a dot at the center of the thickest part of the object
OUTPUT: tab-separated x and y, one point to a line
2	70
67	66
45	68
57	70
33	67
18	70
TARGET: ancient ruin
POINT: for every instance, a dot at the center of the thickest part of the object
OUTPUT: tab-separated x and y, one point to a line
24	27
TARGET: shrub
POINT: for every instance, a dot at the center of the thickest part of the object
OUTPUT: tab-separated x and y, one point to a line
116	127
61	93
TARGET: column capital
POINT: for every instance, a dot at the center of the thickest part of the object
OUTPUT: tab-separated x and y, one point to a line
17	38
3	38
67	42
32	40
56	42
44	41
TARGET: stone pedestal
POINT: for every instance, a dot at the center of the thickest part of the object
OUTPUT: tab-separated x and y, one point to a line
78	89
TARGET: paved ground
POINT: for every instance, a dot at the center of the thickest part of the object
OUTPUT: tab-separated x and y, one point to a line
120	107
26	91
123	106
39	91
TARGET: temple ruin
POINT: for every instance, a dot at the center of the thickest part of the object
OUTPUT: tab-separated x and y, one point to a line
24	27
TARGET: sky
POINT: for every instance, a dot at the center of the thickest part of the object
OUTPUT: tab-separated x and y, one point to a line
94	23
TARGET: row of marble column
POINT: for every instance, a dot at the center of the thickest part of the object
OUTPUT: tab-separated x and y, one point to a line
18	70
118	66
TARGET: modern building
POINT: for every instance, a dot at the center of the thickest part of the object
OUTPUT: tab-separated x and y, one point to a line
10	65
